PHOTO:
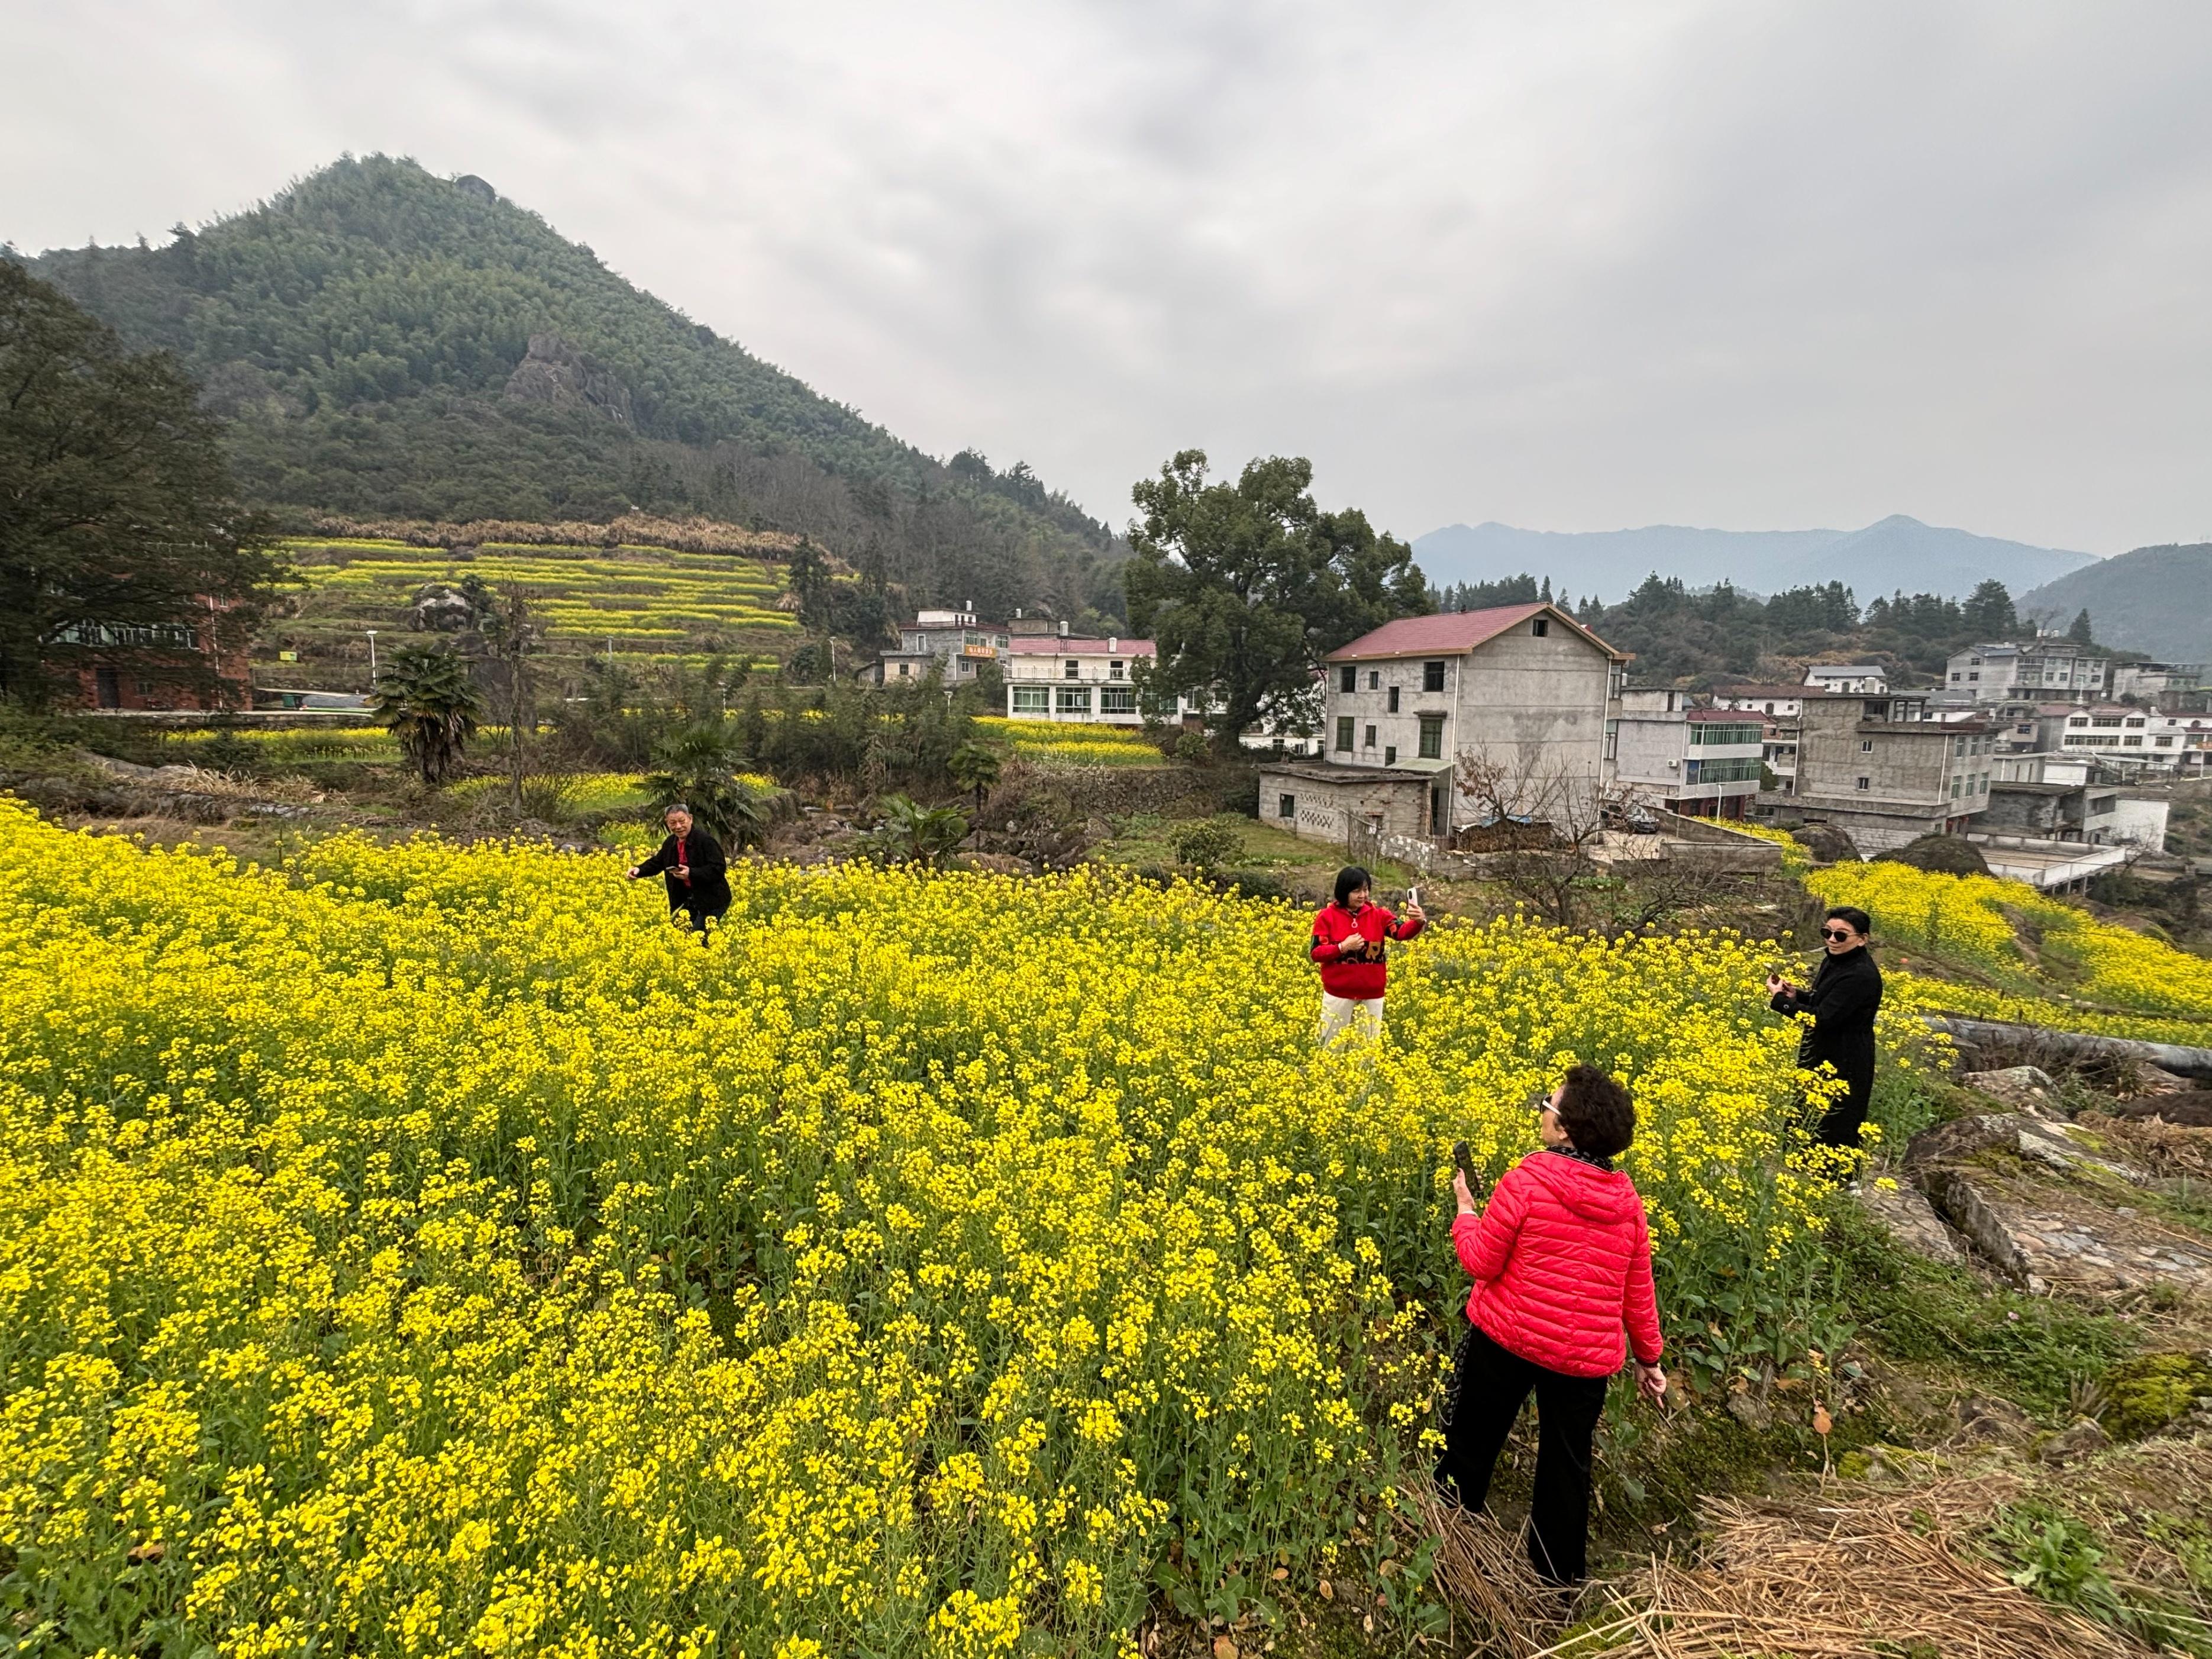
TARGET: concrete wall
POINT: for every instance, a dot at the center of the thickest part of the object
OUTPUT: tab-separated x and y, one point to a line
2138	821
1325	809
1537	706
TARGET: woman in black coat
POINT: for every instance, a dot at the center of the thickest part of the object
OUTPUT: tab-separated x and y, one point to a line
1846	994
691	862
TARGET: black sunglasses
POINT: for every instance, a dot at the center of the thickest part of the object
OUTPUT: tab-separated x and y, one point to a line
1835	933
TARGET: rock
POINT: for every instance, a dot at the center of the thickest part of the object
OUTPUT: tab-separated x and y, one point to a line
1952	855
1906	1216
2076	1440
2190	1111
1827	843
1749	1409
1988	1418
2022	1088
554	371
2063	1148
2047	1237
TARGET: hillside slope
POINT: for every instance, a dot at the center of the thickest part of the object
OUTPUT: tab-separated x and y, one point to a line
2155	600
1897	554
390	343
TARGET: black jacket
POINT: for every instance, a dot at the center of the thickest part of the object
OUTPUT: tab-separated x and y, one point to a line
1843	999
708	890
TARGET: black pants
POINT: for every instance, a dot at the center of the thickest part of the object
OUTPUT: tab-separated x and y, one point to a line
1840	1120
696	916
1488	1387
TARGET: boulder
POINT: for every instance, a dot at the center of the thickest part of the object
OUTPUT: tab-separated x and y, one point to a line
2045	1236
1904	1213
1950	855
2022	1088
2077	1440
2062	1148
1827	843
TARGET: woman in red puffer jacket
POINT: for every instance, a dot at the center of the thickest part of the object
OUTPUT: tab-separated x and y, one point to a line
1562	1265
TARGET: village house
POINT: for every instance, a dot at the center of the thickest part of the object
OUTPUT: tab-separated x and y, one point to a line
1706	763
2005	671
1523	692
955	642
1886	771
154	665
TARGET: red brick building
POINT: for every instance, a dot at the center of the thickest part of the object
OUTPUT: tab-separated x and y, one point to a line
155	665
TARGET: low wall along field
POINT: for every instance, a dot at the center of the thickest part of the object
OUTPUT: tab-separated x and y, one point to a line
420	1247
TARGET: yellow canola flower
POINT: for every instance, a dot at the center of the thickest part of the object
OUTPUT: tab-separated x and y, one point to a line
428	1250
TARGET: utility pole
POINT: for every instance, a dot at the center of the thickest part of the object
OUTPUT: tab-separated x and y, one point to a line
371	632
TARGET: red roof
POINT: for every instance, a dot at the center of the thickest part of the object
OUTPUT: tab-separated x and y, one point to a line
1453	633
1052	645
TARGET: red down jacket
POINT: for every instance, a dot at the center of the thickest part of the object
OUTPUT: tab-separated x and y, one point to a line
1349	949
1562	1264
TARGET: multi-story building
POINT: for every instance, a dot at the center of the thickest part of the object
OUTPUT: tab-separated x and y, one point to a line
1850	678
1704	761
2007	671
956	642
1886	771
2120	734
1060	676
1776	701
2148	680
1437	722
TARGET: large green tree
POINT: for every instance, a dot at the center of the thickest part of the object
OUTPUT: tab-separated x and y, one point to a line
116	522
1247	585
1988	613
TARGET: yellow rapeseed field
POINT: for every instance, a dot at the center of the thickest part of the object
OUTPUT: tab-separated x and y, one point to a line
425	1250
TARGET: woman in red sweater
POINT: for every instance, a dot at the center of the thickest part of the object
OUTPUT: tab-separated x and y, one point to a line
1347	944
1562	1264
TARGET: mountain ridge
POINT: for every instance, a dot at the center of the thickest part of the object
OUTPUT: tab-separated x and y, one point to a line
2153	600
386	343
1894	554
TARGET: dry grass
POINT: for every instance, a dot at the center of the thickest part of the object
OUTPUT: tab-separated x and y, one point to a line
1869	1574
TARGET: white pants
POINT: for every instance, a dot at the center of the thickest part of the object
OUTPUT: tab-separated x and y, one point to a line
1363	1016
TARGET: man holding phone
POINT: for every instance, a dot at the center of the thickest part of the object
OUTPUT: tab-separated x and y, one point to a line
691	863
1348	937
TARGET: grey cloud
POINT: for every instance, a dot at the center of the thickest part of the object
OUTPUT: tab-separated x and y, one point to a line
1570	265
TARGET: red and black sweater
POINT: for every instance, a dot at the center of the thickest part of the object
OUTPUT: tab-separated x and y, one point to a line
1349	949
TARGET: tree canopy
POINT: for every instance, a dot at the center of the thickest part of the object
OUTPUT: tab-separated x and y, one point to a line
118	528
1247	585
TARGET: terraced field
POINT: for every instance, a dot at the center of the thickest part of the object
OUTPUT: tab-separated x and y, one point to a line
653	602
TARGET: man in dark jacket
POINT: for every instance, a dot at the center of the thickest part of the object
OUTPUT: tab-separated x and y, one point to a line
690	861
1846	994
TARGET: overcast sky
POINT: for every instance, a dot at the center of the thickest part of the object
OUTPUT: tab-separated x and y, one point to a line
1573	267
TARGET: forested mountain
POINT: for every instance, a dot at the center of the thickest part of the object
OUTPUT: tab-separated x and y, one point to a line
386	343
1705	637
1898	552
2155	600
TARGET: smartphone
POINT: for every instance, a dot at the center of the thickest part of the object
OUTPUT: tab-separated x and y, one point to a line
1412	895
1463	1158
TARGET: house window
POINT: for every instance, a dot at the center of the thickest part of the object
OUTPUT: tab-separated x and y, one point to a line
1956	784
1611	740
906	671
1117	699
1432	737
1286	806
1113	671
1368	742
1393	699
1956	676
1540	627
1074	699
1071	669
2133	743
1976	678
1027	699
1432	676
1347	678
1866	745
1390	754
1344	730
1373	679
966	667
1866	783
2079	720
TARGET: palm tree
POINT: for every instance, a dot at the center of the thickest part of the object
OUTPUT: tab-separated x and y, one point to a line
974	766
698	765
425	696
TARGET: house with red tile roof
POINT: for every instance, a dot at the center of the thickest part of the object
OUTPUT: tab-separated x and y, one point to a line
1524	689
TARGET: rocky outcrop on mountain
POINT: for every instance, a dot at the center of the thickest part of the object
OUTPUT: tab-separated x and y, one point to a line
554	371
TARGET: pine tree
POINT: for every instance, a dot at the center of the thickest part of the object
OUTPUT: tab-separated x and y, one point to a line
2080	632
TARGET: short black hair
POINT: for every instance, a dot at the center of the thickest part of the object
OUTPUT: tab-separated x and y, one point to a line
1859	921
1350	880
1596	1112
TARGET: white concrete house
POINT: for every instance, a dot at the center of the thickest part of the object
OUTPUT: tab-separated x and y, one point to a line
1851	678
1524	688
2003	671
1060	676
1704	761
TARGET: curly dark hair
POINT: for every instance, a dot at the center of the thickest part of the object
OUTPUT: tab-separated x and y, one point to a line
1596	1112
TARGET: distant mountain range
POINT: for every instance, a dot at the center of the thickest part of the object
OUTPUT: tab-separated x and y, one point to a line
2155	600
1898	554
